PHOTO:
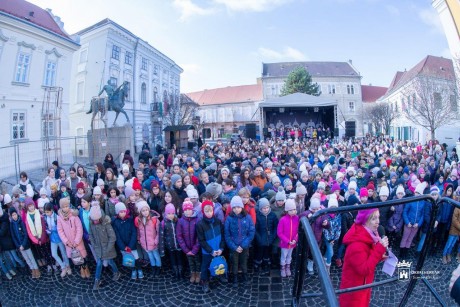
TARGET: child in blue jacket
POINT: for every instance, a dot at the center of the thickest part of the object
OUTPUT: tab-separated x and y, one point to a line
266	227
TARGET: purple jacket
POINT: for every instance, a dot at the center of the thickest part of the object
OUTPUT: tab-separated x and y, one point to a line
318	225
186	234
396	219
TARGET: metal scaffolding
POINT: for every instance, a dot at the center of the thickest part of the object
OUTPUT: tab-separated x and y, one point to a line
51	125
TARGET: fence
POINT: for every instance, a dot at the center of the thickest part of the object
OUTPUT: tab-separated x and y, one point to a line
307	242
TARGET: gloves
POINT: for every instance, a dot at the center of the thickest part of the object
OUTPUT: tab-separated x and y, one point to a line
127	249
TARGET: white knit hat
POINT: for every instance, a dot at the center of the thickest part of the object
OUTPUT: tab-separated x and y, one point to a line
332	202
315	203
352	185
289	205
400	189
420	188
97	191
384	191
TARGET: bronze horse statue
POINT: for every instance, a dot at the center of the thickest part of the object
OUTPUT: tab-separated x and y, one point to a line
116	102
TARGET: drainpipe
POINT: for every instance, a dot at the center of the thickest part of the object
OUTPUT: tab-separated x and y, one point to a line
135	72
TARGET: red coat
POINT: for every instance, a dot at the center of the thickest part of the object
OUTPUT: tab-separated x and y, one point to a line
361	257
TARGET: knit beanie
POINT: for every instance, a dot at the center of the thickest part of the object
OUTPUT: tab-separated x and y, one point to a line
321	185
175	178
333	203
136	185
154	184
300	189
339	175
97	191
236	202
170	209
280	195
128	192
286	182
400	189
434	189
315	203
335	187
214	188
352	185
206	203
87	197
384	191
120	207
43	190
263	202
100	182
95	212
28	202
6	199
140	205
370	186
289	205
363	215
187	205
363	192
276	179
420	188
120	183
304	174
192	193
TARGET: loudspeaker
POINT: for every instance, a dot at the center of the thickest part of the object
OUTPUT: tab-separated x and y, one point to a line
251	131
266	134
336	132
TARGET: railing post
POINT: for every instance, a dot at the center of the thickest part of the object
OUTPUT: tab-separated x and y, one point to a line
299	274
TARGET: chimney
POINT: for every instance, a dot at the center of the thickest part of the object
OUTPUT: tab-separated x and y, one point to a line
350	61
31	14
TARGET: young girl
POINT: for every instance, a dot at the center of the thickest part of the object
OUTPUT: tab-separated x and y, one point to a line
21	240
156	196
265	235
70	232
149	234
331	235
103	240
169	240
300	191
434	192
6	245
80	193
56	243
248	203
188	241
395	220
239	233
288	233
444	217
126	234
112	200
98	196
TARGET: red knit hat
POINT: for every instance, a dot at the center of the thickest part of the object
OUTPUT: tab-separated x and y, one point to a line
136	184
370	186
206	203
80	185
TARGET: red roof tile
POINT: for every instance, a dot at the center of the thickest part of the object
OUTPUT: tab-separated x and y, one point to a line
372	93
229	94
31	13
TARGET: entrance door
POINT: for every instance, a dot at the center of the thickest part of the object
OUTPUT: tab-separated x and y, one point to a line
350	129
172	138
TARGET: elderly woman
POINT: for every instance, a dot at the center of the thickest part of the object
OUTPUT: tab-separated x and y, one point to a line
365	249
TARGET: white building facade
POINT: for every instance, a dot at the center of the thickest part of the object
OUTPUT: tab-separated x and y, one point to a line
35	58
110	53
337	80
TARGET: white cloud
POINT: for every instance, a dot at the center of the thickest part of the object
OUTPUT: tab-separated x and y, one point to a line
188	9
431	18
288	53
393	10
251	5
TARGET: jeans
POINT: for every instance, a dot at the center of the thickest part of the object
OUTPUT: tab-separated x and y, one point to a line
64	262
449	245
329	251
15	259
99	267
341	251
205	262
29	258
286	256
154	256
241	259
4	263
422	241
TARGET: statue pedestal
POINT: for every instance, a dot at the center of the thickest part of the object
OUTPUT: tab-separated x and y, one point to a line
117	140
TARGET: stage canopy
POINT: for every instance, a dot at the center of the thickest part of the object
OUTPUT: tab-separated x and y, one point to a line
298	100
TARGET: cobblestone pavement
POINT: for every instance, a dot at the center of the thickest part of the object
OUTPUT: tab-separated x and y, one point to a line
51	290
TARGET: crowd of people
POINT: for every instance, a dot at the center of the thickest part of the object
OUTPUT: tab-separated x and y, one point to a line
233	202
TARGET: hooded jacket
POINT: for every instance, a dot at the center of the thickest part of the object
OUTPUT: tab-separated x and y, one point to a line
149	234
19	233
186	234
396	219
239	231
103	238
287	231
71	230
266	227
168	237
126	233
6	241
210	234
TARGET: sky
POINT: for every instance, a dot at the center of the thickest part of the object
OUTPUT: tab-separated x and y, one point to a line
223	43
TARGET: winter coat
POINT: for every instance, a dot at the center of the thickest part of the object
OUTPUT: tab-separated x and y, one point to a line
426	216
103	239
266	227
455	226
361	258
210	234
19	233
318	225
396	219
71	230
445	213
287	231
154	202
109	208
51	228
30	224
239	231
413	213
347	221
148	234
126	233
186	234
168	237
85	230
6	241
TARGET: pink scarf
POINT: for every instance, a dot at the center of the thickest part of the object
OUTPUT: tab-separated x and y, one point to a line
375	236
115	200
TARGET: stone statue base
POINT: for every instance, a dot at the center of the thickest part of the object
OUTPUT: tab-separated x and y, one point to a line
117	140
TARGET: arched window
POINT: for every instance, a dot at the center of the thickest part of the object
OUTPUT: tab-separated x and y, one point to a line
143	93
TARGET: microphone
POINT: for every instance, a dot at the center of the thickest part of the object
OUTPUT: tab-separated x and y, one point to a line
381	231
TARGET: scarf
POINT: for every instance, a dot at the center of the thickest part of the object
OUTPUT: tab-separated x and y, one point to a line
375	236
35	225
65	215
115	200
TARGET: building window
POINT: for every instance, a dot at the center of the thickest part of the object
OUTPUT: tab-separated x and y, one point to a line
350	89
47	129
128	58
80	136
155	69
81	92
50	74
143	93
83	56
273	90
115	52
113	81
351	106
331	88
128	91
437	100
22	69
144	64
18	125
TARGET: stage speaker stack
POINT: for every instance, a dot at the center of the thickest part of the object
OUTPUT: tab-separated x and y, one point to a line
251	131
266	134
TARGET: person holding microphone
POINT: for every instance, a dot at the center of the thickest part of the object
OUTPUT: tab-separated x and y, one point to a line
365	249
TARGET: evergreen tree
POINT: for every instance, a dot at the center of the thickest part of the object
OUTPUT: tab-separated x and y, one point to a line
299	81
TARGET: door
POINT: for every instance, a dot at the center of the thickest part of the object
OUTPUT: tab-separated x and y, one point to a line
350	129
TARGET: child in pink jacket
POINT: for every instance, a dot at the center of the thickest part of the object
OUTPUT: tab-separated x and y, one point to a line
288	234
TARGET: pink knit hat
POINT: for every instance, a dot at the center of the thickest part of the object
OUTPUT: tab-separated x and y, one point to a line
363	215
363	192
335	187
170	209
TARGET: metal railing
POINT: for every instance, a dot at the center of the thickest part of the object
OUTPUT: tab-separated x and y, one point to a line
307	242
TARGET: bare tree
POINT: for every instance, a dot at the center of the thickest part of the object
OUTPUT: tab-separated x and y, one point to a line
181	111
431	102
381	116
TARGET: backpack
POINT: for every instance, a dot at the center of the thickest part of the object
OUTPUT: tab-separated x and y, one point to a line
218	266
333	233
128	260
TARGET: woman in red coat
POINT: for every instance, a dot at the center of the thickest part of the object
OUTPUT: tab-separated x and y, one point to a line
365	249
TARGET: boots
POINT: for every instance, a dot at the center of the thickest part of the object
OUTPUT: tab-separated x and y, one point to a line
283	270
205	287
244	279
197	277
328	268
82	273
38	274
444	259
97	284
180	272
449	259
338	262
34	273
140	274
64	272
310	267
116	276
192	277
235	281
88	274
288	270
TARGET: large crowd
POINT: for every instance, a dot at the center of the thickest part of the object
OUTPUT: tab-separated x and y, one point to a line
210	211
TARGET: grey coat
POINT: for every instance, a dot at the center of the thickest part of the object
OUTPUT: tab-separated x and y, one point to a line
103	239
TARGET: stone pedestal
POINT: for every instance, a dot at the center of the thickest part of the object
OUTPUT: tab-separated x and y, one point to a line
117	140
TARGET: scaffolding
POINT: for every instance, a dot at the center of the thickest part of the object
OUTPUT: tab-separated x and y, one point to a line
51	125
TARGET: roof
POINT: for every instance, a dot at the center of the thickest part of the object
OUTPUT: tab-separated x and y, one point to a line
229	94
33	14
430	66
298	100
372	93
315	69
179	128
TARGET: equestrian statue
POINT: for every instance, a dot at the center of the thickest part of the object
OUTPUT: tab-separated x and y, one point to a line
116	102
